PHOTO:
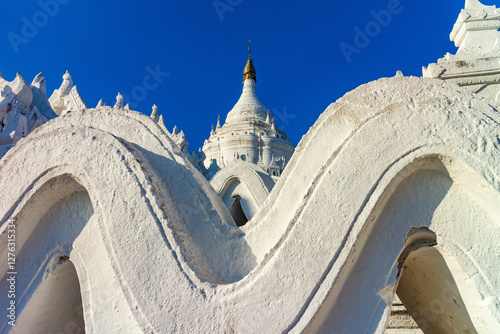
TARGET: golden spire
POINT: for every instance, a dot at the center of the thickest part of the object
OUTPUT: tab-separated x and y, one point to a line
249	71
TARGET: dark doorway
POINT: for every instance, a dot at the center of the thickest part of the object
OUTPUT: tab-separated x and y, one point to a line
237	211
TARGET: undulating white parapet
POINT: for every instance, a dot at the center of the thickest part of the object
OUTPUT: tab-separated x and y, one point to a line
396	185
386	218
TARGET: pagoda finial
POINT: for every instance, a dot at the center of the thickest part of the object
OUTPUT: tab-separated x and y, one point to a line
218	123
249	71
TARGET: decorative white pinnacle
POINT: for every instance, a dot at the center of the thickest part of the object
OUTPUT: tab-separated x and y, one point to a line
119	101
218	123
154	114
66	85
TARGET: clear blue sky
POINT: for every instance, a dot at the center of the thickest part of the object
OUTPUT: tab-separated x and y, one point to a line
301	69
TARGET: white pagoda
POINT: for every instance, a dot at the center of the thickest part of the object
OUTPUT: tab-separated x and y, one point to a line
249	133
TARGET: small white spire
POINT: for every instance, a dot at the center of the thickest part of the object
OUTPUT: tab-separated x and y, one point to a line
38	79
160	120
66	85
154	113
101	103
67	76
218	122
268	117
127	106
119	101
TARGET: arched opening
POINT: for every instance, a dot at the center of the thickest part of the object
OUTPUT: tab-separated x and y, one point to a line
242	193
56	305
429	292
48	296
431	197
237	211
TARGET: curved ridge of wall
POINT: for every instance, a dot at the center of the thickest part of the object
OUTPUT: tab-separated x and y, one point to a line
180	266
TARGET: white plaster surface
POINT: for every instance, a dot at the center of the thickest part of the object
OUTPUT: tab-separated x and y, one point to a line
150	233
475	65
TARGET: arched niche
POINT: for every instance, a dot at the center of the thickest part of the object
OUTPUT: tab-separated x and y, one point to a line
243	188
437	193
56	305
239	199
48	294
